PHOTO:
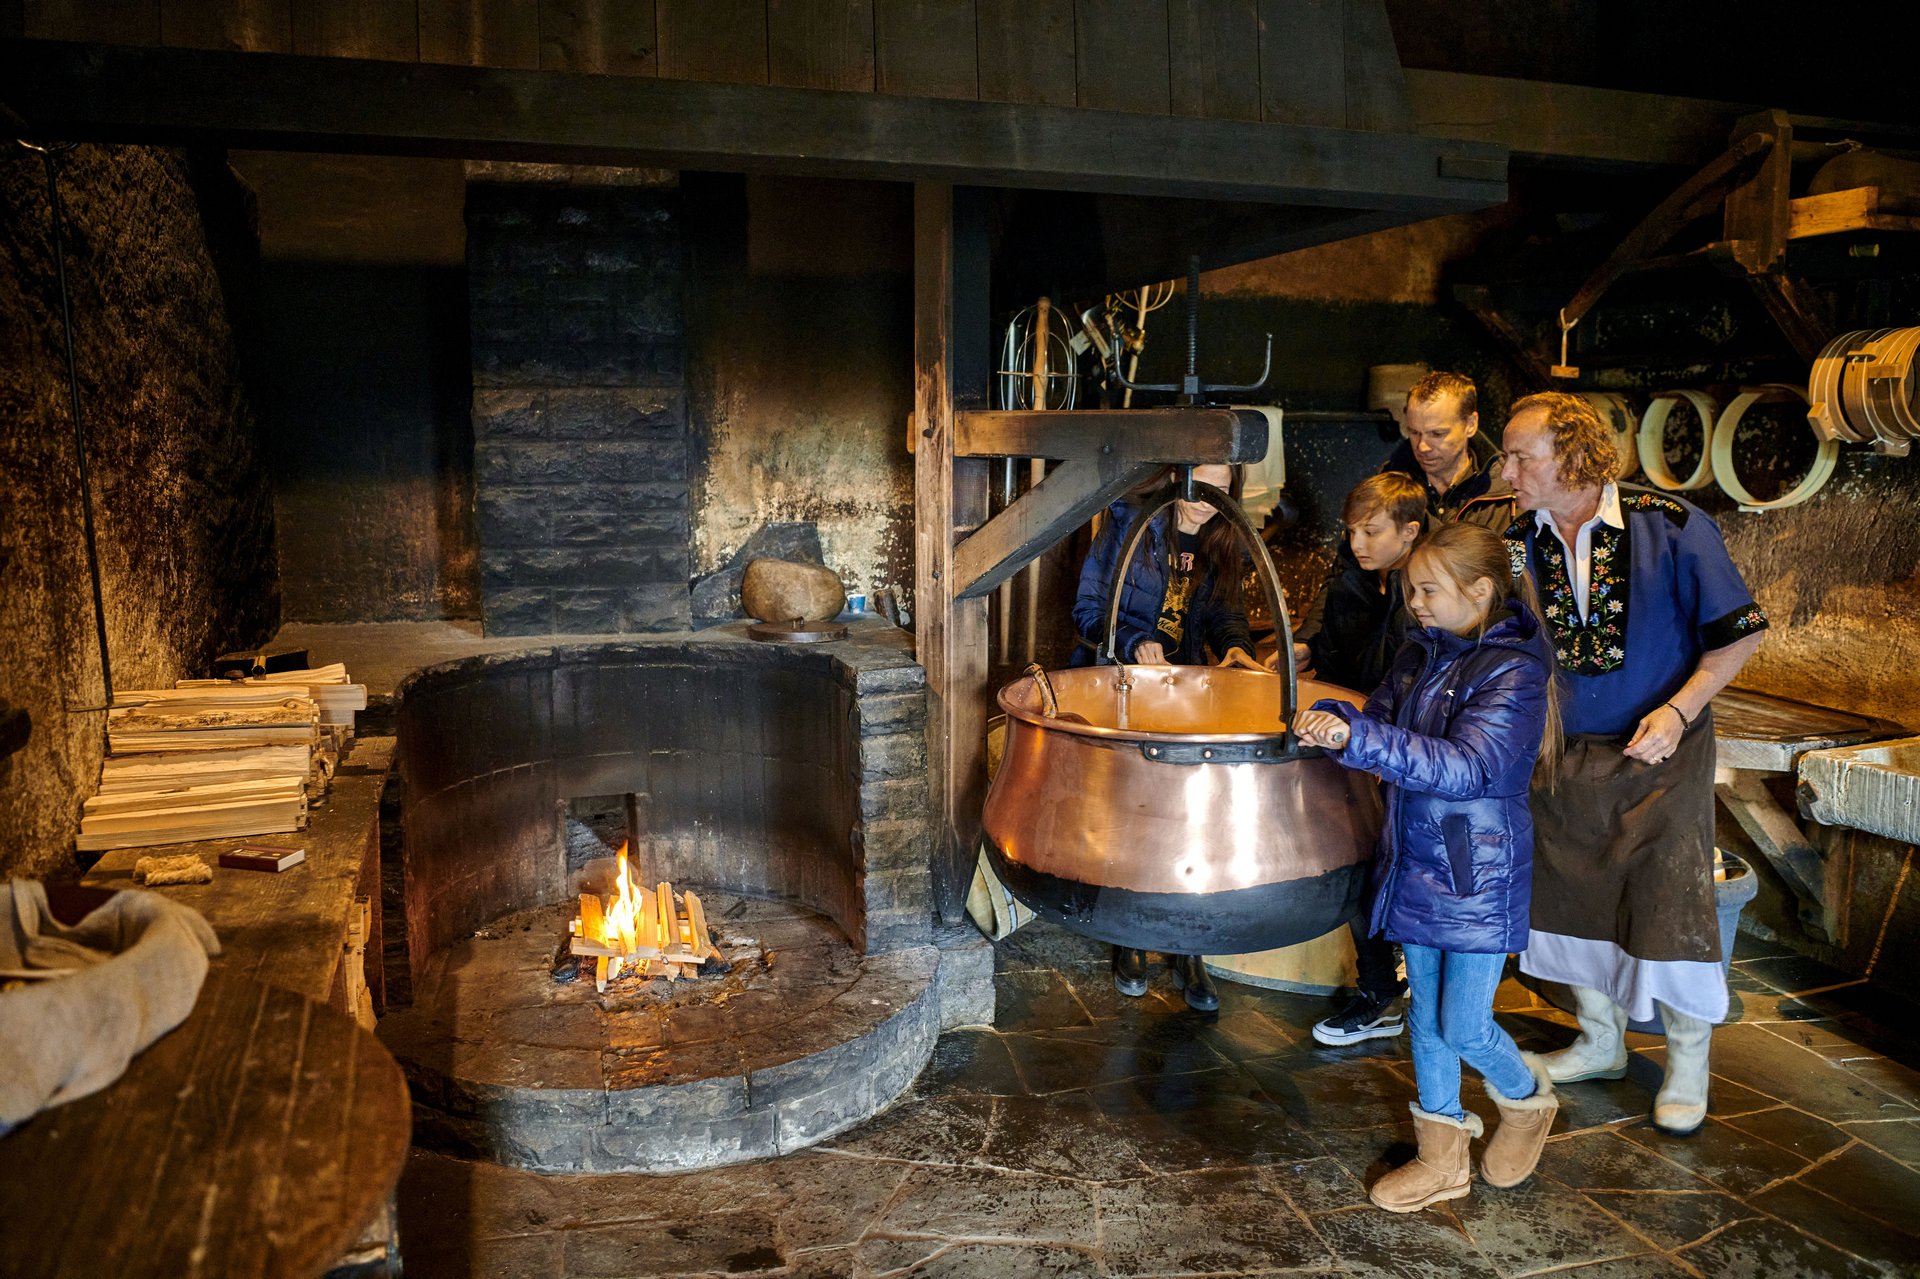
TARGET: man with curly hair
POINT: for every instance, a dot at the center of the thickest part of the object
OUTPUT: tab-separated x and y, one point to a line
1649	619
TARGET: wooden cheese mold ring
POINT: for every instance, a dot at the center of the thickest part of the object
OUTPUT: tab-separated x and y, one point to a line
1824	460
1824	408
1857	367
1888	378
1652	440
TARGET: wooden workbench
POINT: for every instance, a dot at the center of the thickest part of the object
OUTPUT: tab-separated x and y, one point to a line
292	942
292	929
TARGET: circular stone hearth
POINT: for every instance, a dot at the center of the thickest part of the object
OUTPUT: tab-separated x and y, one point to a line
792	1044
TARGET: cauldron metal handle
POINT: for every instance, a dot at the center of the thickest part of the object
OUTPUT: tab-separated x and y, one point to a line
1228	510
1049	704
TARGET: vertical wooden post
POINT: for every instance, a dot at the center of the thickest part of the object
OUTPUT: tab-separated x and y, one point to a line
950	342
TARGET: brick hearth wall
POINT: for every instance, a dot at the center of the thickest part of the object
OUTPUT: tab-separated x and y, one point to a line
579	407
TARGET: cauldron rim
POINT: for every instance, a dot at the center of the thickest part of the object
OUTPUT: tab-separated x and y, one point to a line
1033	715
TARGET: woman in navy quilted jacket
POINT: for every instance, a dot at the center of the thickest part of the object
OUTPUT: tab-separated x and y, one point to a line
1455	732
1180	605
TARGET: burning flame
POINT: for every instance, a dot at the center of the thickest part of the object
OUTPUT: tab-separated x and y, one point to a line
634	928
622	916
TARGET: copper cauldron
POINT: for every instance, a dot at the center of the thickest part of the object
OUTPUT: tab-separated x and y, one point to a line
1170	808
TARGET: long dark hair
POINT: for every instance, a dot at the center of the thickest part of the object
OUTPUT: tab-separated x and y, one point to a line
1222	561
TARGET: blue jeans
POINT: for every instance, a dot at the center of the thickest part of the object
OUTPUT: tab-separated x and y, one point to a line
1451	1011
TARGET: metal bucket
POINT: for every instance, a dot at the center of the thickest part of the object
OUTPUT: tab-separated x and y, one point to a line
1170	808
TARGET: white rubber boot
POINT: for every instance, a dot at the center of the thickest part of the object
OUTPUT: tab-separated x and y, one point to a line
1601	1050
1680	1107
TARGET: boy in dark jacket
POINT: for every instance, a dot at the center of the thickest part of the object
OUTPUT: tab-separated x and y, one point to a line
1455	733
1349	638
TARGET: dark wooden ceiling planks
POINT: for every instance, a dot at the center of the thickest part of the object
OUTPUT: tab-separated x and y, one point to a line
820	44
108	21
1027	52
1303	58
611	37
385	29
1120	51
174	96
1317	62
254	26
926	48
480	33
1376	88
1213	58
716	41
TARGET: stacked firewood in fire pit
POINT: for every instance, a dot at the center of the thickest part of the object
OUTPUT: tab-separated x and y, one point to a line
644	932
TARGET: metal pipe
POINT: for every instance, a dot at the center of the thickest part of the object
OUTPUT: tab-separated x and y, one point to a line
1003	593
1036	471
49	154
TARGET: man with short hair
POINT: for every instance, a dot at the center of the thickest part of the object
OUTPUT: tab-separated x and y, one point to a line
1445	450
1649	619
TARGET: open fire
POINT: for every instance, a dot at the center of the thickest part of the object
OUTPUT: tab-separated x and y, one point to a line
640	930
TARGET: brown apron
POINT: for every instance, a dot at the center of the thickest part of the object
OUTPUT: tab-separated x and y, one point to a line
1623	851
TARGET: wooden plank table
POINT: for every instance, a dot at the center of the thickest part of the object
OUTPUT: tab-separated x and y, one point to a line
1767	733
257	1139
1759	740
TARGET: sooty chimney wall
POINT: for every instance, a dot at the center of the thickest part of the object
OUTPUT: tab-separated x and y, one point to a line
579	407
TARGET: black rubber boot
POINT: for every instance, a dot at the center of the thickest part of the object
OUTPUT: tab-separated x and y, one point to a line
1129	971
1190	975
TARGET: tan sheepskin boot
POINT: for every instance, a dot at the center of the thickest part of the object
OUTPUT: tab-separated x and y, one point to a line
1442	1170
1601	1050
1513	1153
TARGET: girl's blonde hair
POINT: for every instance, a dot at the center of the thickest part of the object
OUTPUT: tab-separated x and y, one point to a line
1466	553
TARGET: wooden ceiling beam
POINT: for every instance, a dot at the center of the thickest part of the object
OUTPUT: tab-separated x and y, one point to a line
115	93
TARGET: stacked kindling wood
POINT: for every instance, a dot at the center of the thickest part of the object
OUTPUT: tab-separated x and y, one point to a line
215	759
202	763
646	932
337	697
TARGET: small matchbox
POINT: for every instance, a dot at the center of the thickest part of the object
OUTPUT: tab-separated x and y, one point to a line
262	857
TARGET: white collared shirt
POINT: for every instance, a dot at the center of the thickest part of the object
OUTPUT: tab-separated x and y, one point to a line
1580	550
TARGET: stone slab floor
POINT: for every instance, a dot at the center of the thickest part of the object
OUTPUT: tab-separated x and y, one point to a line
1088	1134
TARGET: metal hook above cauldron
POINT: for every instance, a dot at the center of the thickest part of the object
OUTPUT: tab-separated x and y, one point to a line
1191	389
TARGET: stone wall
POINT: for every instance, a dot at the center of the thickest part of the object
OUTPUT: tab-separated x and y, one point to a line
800	368
185	520
361	377
579	417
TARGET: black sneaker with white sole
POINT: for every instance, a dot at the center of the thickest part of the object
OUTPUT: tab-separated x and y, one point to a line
1362	1017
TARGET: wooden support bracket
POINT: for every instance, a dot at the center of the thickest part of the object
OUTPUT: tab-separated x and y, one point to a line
1478	299
1105	454
1780	840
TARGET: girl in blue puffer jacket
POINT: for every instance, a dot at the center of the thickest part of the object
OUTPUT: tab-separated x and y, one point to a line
1455	731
